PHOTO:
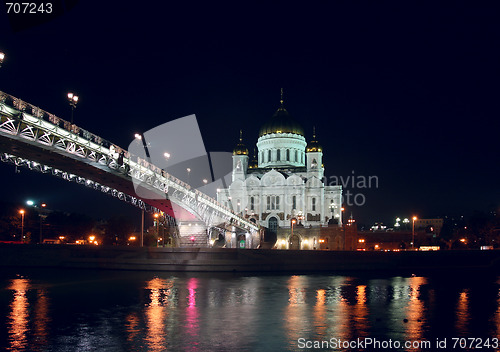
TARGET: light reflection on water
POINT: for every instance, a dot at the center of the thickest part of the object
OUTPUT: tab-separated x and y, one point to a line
143	312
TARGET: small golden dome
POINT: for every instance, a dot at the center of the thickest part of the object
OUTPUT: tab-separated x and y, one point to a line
240	147
314	146
253	164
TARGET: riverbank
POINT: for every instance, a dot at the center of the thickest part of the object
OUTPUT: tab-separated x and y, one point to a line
244	260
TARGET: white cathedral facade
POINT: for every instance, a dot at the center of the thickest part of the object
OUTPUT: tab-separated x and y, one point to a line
284	182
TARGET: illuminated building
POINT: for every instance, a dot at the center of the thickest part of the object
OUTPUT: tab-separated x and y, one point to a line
282	182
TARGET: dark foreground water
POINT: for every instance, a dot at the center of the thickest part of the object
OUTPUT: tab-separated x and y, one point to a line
133	311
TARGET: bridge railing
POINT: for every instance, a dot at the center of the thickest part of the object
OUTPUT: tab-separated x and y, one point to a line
40	117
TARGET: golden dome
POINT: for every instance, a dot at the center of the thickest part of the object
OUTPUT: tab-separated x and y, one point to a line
314	146
281	122
253	164
240	147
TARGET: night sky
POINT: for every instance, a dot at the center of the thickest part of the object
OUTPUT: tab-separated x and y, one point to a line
405	91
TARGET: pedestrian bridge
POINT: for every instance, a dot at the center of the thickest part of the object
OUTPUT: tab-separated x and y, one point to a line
33	138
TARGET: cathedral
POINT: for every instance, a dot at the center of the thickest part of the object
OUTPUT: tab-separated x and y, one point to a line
282	187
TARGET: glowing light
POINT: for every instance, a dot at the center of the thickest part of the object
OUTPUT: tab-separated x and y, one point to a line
294	221
463	240
156	215
192	238
131	238
205	181
138	136
30	202
91	238
62	238
342	209
398	219
414	218
2	56
361	240
166	155
21	211
377	246
43	205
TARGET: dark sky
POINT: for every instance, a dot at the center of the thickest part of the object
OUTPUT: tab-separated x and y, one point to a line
405	91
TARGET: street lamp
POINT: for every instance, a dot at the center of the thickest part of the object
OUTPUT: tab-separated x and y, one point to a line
22	223
72	100
156	215
2	56
188	172
39	210
413	233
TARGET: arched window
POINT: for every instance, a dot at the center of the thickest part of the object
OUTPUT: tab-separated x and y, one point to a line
294	202
314	163
273	224
296	156
268	203
278	155
268	156
288	155
313	208
262	157
252	204
277	202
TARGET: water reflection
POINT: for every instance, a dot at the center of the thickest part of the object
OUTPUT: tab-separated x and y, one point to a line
296	319
41	319
192	324
415	309
203	313
19	316
155	313
462	312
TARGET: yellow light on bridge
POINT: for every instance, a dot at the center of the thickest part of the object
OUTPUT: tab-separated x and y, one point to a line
132	238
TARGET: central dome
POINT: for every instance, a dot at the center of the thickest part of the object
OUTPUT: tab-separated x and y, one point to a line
281	122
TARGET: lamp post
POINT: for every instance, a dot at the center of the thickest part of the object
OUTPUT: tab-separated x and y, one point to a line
413	233
22	223
140	137
72	100
188	172
157	229
2	56
40	214
142	228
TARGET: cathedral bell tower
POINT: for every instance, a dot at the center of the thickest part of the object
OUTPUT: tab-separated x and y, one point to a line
314	155
240	161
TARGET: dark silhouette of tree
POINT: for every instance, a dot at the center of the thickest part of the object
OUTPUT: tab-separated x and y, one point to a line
118	230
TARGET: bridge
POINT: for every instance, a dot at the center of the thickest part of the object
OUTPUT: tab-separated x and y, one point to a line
38	140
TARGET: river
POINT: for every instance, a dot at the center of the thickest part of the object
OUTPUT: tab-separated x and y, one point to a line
81	310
